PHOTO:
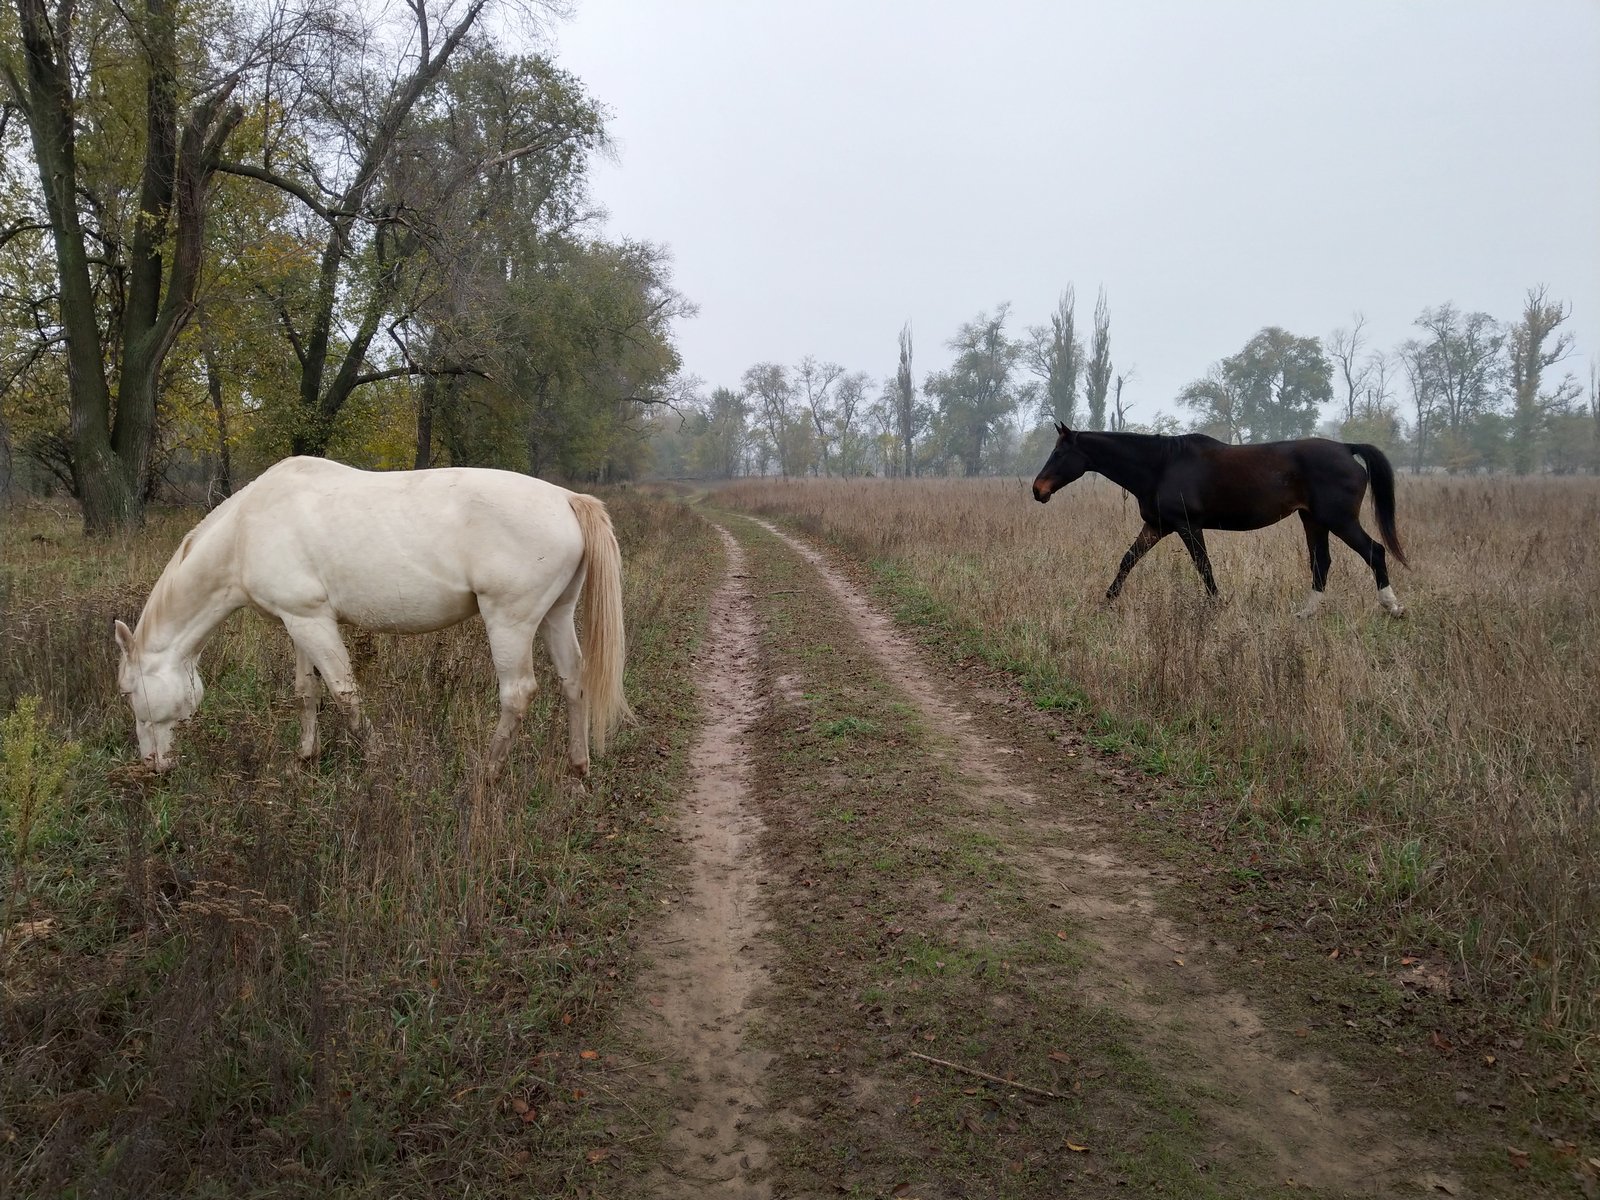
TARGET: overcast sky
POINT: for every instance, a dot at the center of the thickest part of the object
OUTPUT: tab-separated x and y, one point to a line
826	170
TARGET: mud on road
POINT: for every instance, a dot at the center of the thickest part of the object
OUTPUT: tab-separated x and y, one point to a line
911	957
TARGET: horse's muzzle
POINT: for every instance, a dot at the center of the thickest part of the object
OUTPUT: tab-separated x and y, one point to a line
1042	491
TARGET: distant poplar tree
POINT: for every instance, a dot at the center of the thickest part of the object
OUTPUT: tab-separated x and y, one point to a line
1055	355
1594	416
905	403
1097	374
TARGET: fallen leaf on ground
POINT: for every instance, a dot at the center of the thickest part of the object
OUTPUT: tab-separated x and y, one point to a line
1077	1149
595	1156
1519	1158
589	1054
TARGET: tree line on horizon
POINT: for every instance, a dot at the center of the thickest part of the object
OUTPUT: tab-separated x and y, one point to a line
235	230
1466	393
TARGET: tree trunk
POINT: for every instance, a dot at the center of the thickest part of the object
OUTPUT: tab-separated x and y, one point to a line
109	458
426	397
208	354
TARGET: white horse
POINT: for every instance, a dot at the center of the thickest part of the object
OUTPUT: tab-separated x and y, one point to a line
315	543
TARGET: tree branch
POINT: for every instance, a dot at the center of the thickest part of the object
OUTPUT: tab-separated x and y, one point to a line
285	184
402	372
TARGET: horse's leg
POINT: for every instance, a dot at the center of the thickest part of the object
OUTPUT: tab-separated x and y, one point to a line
561	639
1195	542
1317	544
306	689
1357	538
511	647
1148	536
317	638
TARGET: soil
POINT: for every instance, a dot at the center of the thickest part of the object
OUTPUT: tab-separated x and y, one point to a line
1266	1099
698	995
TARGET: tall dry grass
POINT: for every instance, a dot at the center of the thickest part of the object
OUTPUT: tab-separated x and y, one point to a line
247	978
1440	770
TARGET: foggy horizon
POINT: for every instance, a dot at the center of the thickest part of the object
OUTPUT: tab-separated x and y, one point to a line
824	178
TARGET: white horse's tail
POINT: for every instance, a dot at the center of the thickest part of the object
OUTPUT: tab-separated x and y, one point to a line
605	642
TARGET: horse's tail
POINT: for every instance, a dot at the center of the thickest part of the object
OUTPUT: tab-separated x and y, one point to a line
1382	475
605	643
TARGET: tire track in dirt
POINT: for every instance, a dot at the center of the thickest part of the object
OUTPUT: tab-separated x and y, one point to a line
699	993
1152	971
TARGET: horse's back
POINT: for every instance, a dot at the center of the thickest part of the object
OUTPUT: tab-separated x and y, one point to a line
404	550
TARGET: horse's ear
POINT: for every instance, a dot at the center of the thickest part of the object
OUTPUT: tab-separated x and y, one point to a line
124	637
1063	431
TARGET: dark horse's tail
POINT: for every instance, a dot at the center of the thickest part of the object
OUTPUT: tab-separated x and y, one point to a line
1382	475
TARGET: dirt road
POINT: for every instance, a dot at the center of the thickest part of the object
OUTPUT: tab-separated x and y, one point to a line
917	956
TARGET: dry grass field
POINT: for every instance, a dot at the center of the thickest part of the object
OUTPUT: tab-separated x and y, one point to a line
365	978
1437	774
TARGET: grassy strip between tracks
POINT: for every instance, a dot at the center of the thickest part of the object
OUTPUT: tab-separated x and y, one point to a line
903	930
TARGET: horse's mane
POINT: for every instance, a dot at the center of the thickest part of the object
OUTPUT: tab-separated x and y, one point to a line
159	605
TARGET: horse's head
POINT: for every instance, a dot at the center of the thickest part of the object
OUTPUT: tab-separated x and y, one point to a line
163	691
1066	463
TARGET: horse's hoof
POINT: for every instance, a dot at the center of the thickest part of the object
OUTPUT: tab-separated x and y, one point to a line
579	770
1397	613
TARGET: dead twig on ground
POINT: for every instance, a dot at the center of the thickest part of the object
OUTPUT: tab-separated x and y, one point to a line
1011	1083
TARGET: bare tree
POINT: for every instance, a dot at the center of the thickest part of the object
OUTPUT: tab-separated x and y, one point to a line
849	401
1535	347
1119	413
815	381
1377	392
768	387
1414	360
1463	361
1344	348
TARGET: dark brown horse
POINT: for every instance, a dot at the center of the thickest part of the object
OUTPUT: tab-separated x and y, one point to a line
1188	484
